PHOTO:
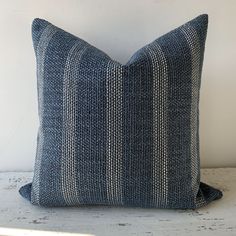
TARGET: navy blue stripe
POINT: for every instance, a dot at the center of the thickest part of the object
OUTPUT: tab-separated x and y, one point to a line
200	27
38	26
91	165
178	55
56	54
138	113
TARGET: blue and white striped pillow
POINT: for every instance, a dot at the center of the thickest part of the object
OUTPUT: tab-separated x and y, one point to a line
113	134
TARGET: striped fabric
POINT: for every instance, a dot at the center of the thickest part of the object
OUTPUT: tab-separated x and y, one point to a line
113	134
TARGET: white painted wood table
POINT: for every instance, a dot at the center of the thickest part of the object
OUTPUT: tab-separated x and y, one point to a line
19	217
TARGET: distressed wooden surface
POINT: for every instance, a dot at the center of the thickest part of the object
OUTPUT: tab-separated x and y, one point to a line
19	217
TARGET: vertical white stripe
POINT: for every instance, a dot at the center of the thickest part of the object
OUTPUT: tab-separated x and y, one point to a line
69	138
114	133
193	42
160	125
44	40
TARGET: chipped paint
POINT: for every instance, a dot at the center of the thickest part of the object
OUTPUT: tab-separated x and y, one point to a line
216	219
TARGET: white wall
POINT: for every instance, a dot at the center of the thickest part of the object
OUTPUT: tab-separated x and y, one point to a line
119	28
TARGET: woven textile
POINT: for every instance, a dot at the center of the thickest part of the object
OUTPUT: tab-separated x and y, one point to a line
113	134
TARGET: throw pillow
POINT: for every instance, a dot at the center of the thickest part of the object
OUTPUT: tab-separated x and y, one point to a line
119	134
